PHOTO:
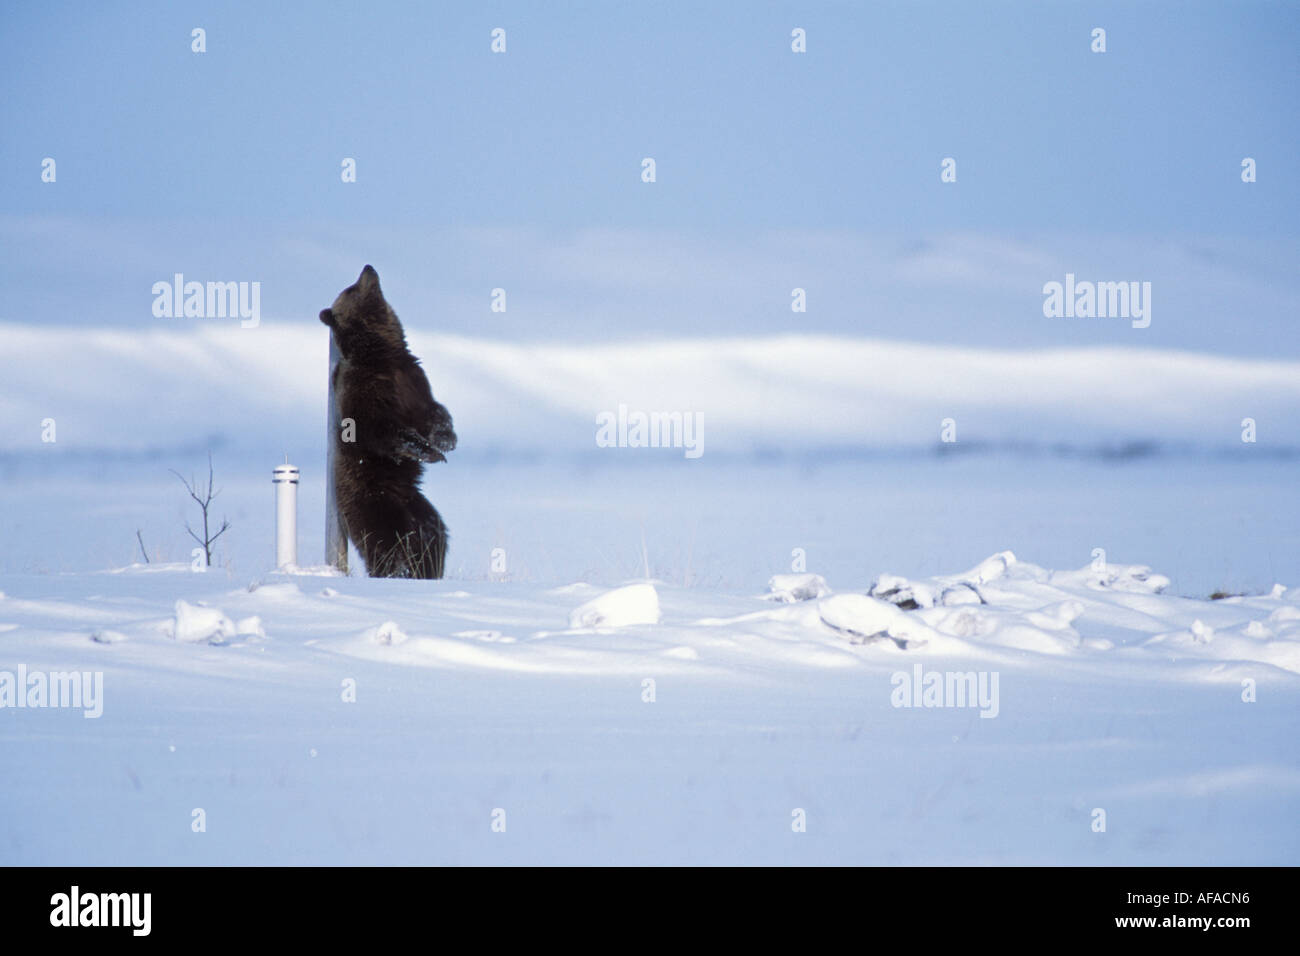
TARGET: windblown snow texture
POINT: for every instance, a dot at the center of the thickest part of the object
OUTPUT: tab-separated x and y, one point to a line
651	722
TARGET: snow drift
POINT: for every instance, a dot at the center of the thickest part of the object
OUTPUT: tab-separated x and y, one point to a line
979	717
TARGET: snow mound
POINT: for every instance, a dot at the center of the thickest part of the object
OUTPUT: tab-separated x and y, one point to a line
388	634
1002	603
621	607
195	623
1285	615
275	590
945	591
788	588
1130	578
864	619
250	627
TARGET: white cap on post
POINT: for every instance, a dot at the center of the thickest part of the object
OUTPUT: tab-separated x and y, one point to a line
285	479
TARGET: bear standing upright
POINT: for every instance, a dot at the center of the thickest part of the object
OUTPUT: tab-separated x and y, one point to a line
395	426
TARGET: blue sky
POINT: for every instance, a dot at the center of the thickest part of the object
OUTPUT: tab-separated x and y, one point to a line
521	170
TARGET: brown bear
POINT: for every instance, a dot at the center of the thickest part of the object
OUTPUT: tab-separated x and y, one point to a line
390	426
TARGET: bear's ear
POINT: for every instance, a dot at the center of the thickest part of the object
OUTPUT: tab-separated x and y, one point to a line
368	283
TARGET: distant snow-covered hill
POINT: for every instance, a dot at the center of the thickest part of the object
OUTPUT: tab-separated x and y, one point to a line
264	388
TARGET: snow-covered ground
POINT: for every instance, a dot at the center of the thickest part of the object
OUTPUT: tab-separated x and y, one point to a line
788	589
1208	524
327	719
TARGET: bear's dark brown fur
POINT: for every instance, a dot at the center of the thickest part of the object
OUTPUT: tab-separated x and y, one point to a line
397	426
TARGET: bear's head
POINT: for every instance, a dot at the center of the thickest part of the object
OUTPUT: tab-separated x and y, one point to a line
362	319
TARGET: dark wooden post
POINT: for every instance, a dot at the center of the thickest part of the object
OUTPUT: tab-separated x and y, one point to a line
336	535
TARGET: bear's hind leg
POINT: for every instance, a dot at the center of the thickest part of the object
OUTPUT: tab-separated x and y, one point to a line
426	541
406	541
403	538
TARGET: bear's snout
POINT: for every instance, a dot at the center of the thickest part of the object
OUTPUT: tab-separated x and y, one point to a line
444	440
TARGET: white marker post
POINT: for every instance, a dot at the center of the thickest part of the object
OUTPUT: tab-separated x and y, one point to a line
285	479
336	536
